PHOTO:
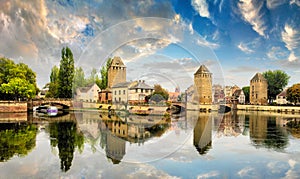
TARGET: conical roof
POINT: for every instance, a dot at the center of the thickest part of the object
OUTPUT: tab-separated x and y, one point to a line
258	76
117	61
202	69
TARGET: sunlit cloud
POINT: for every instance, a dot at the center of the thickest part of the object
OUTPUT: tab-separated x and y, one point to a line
243	47
201	7
252	13
272	4
291	38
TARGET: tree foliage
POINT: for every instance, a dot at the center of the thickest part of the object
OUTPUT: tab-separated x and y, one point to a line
293	93
246	90
66	74
159	94
53	85
277	80
17	81
104	74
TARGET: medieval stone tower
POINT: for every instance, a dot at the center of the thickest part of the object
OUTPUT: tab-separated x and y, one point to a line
116	72
203	85
258	90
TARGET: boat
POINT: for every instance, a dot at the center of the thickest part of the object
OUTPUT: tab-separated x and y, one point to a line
49	110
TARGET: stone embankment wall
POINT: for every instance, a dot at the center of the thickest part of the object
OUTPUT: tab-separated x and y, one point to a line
290	109
12	106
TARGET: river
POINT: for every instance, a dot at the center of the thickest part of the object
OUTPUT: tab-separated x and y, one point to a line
191	145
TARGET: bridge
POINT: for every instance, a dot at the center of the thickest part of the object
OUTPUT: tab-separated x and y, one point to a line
59	103
177	107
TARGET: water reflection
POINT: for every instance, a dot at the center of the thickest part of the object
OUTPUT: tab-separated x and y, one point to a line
65	136
203	133
116	130
16	139
123	138
267	131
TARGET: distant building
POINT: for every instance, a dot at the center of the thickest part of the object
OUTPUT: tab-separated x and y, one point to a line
43	92
87	94
138	91
173	96
258	90
281	97
239	96
116	72
203	85
218	94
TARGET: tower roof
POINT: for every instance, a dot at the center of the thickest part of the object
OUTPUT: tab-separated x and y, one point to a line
117	61
258	76
202	69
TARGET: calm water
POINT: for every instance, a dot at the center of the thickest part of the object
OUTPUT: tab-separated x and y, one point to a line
194	145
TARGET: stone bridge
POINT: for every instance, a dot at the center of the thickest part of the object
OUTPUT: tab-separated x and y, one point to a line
178	107
60	103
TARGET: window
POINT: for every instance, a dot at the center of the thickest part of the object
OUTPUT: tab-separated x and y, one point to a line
119	92
119	99
123	91
115	92
142	90
136	90
146	91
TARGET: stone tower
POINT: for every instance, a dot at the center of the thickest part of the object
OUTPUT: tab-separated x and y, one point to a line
258	90
203	85
116	72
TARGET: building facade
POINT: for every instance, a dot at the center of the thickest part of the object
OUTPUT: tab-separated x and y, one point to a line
116	72
203	85
281	97
120	92
138	91
258	90
87	94
239	96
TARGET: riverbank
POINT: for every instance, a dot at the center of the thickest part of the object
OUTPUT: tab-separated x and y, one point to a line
278	109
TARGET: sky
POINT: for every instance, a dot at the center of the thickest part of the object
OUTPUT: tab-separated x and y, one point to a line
159	41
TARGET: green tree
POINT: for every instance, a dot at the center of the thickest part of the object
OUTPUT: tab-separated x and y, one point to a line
159	94
53	85
79	78
246	90
104	74
293	93
66	74
17	81
277	80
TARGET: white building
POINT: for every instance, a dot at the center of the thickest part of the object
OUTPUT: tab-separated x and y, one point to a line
87	94
281	98
120	92
240	96
138	92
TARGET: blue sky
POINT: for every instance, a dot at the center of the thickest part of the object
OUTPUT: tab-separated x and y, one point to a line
241	37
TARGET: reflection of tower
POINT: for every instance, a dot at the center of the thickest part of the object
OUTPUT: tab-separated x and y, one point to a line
258	128
116	72
203	85
115	148
203	134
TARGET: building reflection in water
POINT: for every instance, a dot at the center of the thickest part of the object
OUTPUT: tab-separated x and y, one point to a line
203	133
116	130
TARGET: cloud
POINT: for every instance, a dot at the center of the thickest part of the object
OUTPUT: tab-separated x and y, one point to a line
209	175
252	13
291	38
246	172
243	69
296	2
277	53
201	7
272	4
243	47
205	43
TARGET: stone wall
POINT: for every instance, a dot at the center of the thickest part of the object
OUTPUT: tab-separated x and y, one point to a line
11	106
203	85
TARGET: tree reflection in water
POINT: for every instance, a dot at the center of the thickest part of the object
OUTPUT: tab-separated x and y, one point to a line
16	139
266	132
66	137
